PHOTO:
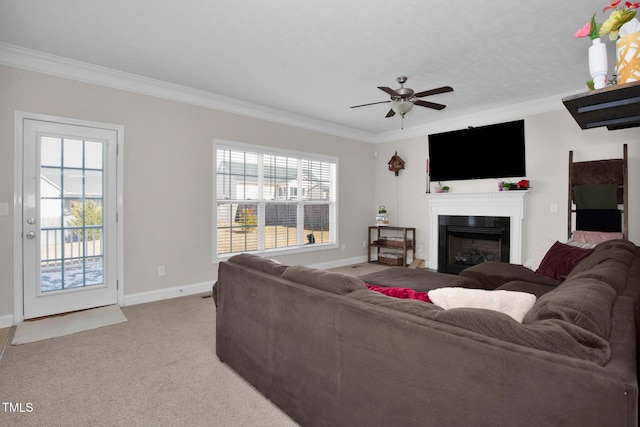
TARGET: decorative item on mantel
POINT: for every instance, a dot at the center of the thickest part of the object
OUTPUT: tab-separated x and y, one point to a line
442	188
627	52
396	163
523	184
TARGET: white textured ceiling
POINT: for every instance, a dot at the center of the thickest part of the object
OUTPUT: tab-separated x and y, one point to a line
317	58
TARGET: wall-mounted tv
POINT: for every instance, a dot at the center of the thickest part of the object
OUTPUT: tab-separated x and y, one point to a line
493	151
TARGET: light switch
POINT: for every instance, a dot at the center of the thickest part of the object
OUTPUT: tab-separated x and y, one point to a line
553	208
4	209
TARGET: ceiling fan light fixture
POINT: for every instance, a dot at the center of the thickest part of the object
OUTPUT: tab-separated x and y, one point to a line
402	107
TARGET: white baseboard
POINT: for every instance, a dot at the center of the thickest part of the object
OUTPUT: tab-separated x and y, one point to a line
6	321
161	294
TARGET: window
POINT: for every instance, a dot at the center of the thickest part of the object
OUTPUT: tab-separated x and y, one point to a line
257	203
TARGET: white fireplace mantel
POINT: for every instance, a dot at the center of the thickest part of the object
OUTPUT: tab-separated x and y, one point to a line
500	203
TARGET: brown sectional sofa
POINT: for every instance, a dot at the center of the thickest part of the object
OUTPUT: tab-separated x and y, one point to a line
330	352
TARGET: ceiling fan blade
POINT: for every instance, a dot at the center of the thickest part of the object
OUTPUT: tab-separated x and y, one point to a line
436	91
429	104
391	113
371	103
388	90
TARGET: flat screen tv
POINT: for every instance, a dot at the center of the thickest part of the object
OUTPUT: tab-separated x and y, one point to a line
493	151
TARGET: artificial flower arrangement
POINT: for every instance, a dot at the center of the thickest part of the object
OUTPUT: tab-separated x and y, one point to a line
614	26
620	15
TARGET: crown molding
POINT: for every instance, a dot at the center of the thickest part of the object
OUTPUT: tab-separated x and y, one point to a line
40	62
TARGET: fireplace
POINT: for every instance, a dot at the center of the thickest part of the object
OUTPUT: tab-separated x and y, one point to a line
502	204
464	241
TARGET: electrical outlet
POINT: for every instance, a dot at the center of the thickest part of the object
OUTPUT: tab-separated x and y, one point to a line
419	248
364	244
553	208
161	271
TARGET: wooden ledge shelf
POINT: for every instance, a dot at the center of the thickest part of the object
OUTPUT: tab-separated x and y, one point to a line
616	107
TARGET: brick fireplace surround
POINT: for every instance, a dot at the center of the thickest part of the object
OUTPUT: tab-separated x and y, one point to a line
497	204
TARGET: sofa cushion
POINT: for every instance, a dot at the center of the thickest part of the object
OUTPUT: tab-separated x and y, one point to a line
609	262
560	260
266	265
583	302
613	272
416	279
553	335
493	274
329	281
405	293
611	249
511	303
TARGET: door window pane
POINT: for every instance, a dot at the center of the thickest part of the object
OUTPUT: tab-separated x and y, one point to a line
71	213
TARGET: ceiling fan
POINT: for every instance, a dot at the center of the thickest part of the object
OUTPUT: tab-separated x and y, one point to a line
403	99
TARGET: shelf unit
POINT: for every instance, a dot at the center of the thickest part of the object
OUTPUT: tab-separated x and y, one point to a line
394	242
616	107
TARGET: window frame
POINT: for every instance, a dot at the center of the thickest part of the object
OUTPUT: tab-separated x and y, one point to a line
300	156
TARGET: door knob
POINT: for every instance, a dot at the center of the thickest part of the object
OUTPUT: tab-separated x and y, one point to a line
31	235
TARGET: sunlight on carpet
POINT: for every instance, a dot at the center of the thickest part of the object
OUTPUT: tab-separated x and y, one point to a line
57	326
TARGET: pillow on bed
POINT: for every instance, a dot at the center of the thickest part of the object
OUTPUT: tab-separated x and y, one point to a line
404	293
560	260
512	303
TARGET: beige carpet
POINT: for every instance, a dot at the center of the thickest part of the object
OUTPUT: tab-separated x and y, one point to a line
157	369
67	324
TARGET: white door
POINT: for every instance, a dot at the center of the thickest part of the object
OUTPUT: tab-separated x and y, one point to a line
68	217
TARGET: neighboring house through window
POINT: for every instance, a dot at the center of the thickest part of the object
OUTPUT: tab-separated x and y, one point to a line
257	203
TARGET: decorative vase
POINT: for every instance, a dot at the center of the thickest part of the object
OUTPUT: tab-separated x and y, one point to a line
628	58
598	63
